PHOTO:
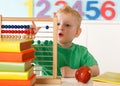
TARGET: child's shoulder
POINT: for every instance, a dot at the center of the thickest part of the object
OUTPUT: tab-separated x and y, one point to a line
80	46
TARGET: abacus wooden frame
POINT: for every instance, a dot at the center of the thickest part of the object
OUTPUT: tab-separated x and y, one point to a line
47	79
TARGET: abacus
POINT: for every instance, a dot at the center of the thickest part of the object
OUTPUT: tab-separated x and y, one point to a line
18	28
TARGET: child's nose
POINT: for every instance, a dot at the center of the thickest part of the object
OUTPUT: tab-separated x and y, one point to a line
60	27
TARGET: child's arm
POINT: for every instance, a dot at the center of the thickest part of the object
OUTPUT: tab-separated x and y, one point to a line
67	72
94	70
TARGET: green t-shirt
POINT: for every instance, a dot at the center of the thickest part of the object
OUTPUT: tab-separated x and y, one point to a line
74	57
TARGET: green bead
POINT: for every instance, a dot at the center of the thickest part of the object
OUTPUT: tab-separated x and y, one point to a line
32	41
38	42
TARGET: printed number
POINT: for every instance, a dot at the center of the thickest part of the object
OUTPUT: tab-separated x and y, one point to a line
105	9
91	8
60	3
29	4
78	6
46	9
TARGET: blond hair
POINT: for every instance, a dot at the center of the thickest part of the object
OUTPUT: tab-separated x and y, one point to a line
68	10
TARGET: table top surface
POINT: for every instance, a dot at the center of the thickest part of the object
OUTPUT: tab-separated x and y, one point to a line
73	82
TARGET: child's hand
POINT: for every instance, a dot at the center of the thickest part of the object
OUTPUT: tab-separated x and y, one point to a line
67	72
34	28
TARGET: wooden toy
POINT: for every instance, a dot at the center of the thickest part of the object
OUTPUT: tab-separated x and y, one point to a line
24	32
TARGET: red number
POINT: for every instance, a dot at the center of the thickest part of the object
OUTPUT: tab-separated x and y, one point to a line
105	9
59	3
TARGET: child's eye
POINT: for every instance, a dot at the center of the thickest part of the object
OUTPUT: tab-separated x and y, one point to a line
67	25
58	24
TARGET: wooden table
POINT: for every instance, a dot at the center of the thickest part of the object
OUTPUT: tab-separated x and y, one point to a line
73	82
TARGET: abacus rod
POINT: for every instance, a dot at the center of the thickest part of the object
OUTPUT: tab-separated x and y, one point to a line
26	19
42	46
43	36
44	61
55	48
44	51
45	31
43	65
39	56
42	70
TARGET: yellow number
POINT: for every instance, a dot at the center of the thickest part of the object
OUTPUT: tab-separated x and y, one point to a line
30	7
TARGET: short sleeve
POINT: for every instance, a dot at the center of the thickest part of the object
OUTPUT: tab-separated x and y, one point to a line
88	59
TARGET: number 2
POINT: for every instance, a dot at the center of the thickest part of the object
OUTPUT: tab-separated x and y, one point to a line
46	9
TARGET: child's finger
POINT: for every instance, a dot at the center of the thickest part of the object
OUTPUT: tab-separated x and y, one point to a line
33	23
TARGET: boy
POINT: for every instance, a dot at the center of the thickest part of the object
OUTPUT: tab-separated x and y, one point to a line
71	56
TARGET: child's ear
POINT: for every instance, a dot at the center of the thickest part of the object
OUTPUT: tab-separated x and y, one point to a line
79	30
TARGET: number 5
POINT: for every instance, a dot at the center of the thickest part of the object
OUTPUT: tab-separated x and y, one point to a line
91	8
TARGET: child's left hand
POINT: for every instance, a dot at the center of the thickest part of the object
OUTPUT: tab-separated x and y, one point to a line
67	72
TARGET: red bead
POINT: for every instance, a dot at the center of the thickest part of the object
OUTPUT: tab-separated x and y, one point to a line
12	31
22	31
3	31
9	31
16	31
83	74
6	31
19	31
25	31
28	31
32	31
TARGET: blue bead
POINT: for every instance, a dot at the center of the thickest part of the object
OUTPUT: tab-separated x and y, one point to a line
25	26
12	26
18	26
3	26
28	26
15	26
47	27
22	26
9	26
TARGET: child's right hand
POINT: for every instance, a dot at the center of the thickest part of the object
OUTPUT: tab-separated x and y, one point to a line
34	28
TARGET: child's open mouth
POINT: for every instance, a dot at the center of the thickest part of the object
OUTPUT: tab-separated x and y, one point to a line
60	34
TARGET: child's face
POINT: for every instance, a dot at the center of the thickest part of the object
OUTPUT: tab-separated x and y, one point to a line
67	28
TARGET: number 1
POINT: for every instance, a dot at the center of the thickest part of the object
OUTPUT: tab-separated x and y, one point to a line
29	4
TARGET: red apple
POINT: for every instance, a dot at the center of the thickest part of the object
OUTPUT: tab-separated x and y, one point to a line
83	74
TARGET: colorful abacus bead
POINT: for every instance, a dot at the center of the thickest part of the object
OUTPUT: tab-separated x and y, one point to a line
47	27
38	42
16	26
32	41
32	32
3	31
